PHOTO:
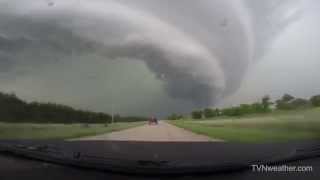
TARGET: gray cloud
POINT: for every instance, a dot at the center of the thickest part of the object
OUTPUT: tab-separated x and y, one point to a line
199	50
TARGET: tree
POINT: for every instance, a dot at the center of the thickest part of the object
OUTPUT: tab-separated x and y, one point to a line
175	116
14	109
285	103
217	112
257	107
233	111
245	108
196	114
209	113
299	103
315	100
266	103
287	98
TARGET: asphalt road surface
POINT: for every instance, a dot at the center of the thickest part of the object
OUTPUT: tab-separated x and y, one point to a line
161	132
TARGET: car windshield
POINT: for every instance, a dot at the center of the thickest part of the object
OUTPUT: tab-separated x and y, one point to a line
228	71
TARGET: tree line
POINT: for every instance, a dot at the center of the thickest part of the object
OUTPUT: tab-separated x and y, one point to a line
286	102
13	109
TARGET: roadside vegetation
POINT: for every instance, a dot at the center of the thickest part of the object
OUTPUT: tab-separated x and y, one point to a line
15	110
59	131
288	118
34	120
286	103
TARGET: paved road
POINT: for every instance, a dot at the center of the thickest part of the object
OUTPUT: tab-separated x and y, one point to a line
161	132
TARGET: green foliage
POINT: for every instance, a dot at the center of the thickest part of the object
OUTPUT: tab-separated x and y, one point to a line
284	103
218	112
196	114
13	109
315	100
287	98
175	117
258	108
278	126
300	103
130	119
266	103
244	109
288	102
233	111
59	131
209	113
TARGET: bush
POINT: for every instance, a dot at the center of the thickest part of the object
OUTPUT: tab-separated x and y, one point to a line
287	98
315	100
196	114
266	103
283	105
16	110
175	117
300	103
233	111
85	125
209	113
288	102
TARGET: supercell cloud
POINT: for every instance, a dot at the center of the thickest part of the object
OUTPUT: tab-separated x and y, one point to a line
199	50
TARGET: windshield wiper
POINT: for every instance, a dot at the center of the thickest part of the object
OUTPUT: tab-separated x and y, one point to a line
53	154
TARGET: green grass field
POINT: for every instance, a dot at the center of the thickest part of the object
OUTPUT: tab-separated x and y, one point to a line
58	131
271	127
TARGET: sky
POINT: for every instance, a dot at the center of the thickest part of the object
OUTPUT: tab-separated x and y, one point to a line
156	57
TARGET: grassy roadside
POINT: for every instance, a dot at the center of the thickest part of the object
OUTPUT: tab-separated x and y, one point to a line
58	131
273	127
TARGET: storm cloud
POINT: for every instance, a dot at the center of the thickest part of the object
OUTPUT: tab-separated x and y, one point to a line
199	50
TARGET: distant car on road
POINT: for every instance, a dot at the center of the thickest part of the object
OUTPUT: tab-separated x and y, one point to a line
153	121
